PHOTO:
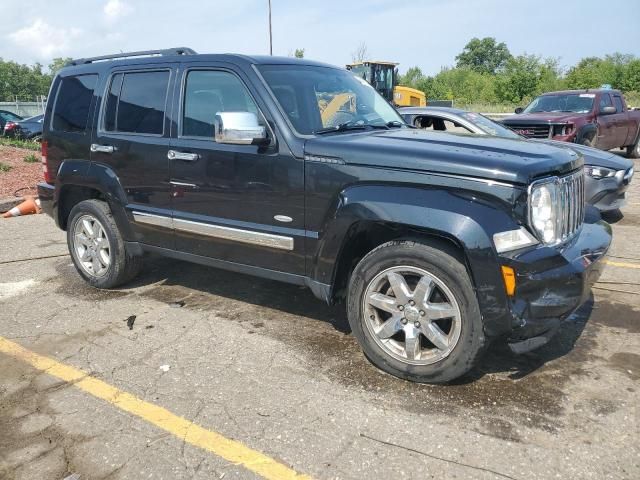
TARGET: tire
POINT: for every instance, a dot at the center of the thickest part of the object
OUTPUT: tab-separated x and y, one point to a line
97	248
633	151
422	360
590	141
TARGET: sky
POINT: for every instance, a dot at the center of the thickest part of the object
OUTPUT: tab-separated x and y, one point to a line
424	33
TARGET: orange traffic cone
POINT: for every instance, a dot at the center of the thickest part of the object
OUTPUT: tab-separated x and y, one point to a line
29	206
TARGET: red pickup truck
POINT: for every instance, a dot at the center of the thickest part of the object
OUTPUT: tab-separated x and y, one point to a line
596	117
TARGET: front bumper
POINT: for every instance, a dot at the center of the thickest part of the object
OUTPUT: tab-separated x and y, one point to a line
552	282
607	194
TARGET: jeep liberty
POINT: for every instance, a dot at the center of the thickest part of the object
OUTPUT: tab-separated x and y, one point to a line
437	244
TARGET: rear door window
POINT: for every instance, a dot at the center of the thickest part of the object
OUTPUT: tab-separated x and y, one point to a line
136	102
73	103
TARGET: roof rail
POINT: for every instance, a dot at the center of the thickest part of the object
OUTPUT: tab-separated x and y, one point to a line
142	53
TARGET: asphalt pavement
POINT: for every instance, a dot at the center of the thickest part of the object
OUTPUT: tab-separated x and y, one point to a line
192	372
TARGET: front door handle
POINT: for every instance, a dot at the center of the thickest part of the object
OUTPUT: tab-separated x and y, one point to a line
102	148
187	157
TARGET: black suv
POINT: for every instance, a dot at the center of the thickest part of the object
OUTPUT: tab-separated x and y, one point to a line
299	171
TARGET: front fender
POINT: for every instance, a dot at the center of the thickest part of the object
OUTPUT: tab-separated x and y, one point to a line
468	219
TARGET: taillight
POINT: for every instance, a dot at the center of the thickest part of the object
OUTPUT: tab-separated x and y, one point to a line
45	165
10	126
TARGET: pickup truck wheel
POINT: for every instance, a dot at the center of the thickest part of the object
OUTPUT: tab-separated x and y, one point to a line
590	141
97	248
633	151
414	311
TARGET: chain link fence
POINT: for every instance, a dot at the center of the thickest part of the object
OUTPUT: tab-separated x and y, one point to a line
25	107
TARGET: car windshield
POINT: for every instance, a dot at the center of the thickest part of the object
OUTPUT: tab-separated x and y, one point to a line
317	99
489	126
568	102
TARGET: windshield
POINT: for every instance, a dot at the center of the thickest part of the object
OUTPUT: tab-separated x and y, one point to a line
319	98
489	126
569	102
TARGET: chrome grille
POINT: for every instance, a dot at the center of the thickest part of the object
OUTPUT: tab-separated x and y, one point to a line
531	131
570	204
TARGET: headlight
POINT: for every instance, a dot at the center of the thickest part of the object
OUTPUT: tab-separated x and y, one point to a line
513	239
542	213
598	172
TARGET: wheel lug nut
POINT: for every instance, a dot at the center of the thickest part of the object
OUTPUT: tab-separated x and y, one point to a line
401	308
404	321
422	314
412	303
417	324
372	317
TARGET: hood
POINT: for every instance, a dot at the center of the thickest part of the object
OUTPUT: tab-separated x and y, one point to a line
593	156
483	156
543	117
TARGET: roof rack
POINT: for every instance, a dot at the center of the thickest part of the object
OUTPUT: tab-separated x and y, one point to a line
142	53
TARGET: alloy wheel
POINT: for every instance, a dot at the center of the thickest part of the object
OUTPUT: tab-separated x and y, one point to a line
91	245
412	315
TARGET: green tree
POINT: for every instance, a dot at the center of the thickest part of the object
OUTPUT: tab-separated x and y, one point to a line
525	76
57	63
484	55
412	78
631	77
592	72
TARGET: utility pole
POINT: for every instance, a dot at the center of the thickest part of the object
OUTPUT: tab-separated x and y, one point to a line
270	35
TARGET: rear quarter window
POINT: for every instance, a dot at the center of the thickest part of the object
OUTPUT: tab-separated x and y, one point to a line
73	103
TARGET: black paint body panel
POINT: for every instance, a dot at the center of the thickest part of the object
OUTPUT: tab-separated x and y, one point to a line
461	189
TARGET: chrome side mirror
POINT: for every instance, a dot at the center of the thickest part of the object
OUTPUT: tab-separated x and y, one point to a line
238	128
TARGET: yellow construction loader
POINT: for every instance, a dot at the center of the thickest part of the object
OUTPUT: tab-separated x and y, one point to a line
383	77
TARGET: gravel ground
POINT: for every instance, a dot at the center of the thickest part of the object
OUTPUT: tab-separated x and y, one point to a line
22	175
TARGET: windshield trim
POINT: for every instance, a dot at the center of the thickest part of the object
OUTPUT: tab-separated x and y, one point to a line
284	115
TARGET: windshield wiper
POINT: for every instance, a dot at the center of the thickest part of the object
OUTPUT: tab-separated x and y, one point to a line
342	127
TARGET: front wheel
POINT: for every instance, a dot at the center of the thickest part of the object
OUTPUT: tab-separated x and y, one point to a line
414	311
97	248
633	151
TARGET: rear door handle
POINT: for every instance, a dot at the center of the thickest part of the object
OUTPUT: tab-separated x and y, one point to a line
102	148
187	157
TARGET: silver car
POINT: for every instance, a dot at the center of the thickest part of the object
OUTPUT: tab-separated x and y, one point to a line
607	176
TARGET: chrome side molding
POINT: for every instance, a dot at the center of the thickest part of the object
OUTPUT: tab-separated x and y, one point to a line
235	234
261	239
150	219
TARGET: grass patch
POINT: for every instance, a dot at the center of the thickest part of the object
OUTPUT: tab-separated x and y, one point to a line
18	143
31	158
4	167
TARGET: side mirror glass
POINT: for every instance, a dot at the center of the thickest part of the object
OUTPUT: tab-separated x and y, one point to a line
607	110
519	110
239	128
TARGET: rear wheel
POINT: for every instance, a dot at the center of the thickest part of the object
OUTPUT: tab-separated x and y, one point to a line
97	248
414	312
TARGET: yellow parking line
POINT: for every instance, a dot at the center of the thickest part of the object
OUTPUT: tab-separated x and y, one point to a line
622	264
231	450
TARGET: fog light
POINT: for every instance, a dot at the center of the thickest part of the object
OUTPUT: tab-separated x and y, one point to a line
509	277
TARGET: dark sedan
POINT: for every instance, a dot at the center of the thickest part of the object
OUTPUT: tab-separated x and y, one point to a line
607	176
28	129
7	117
